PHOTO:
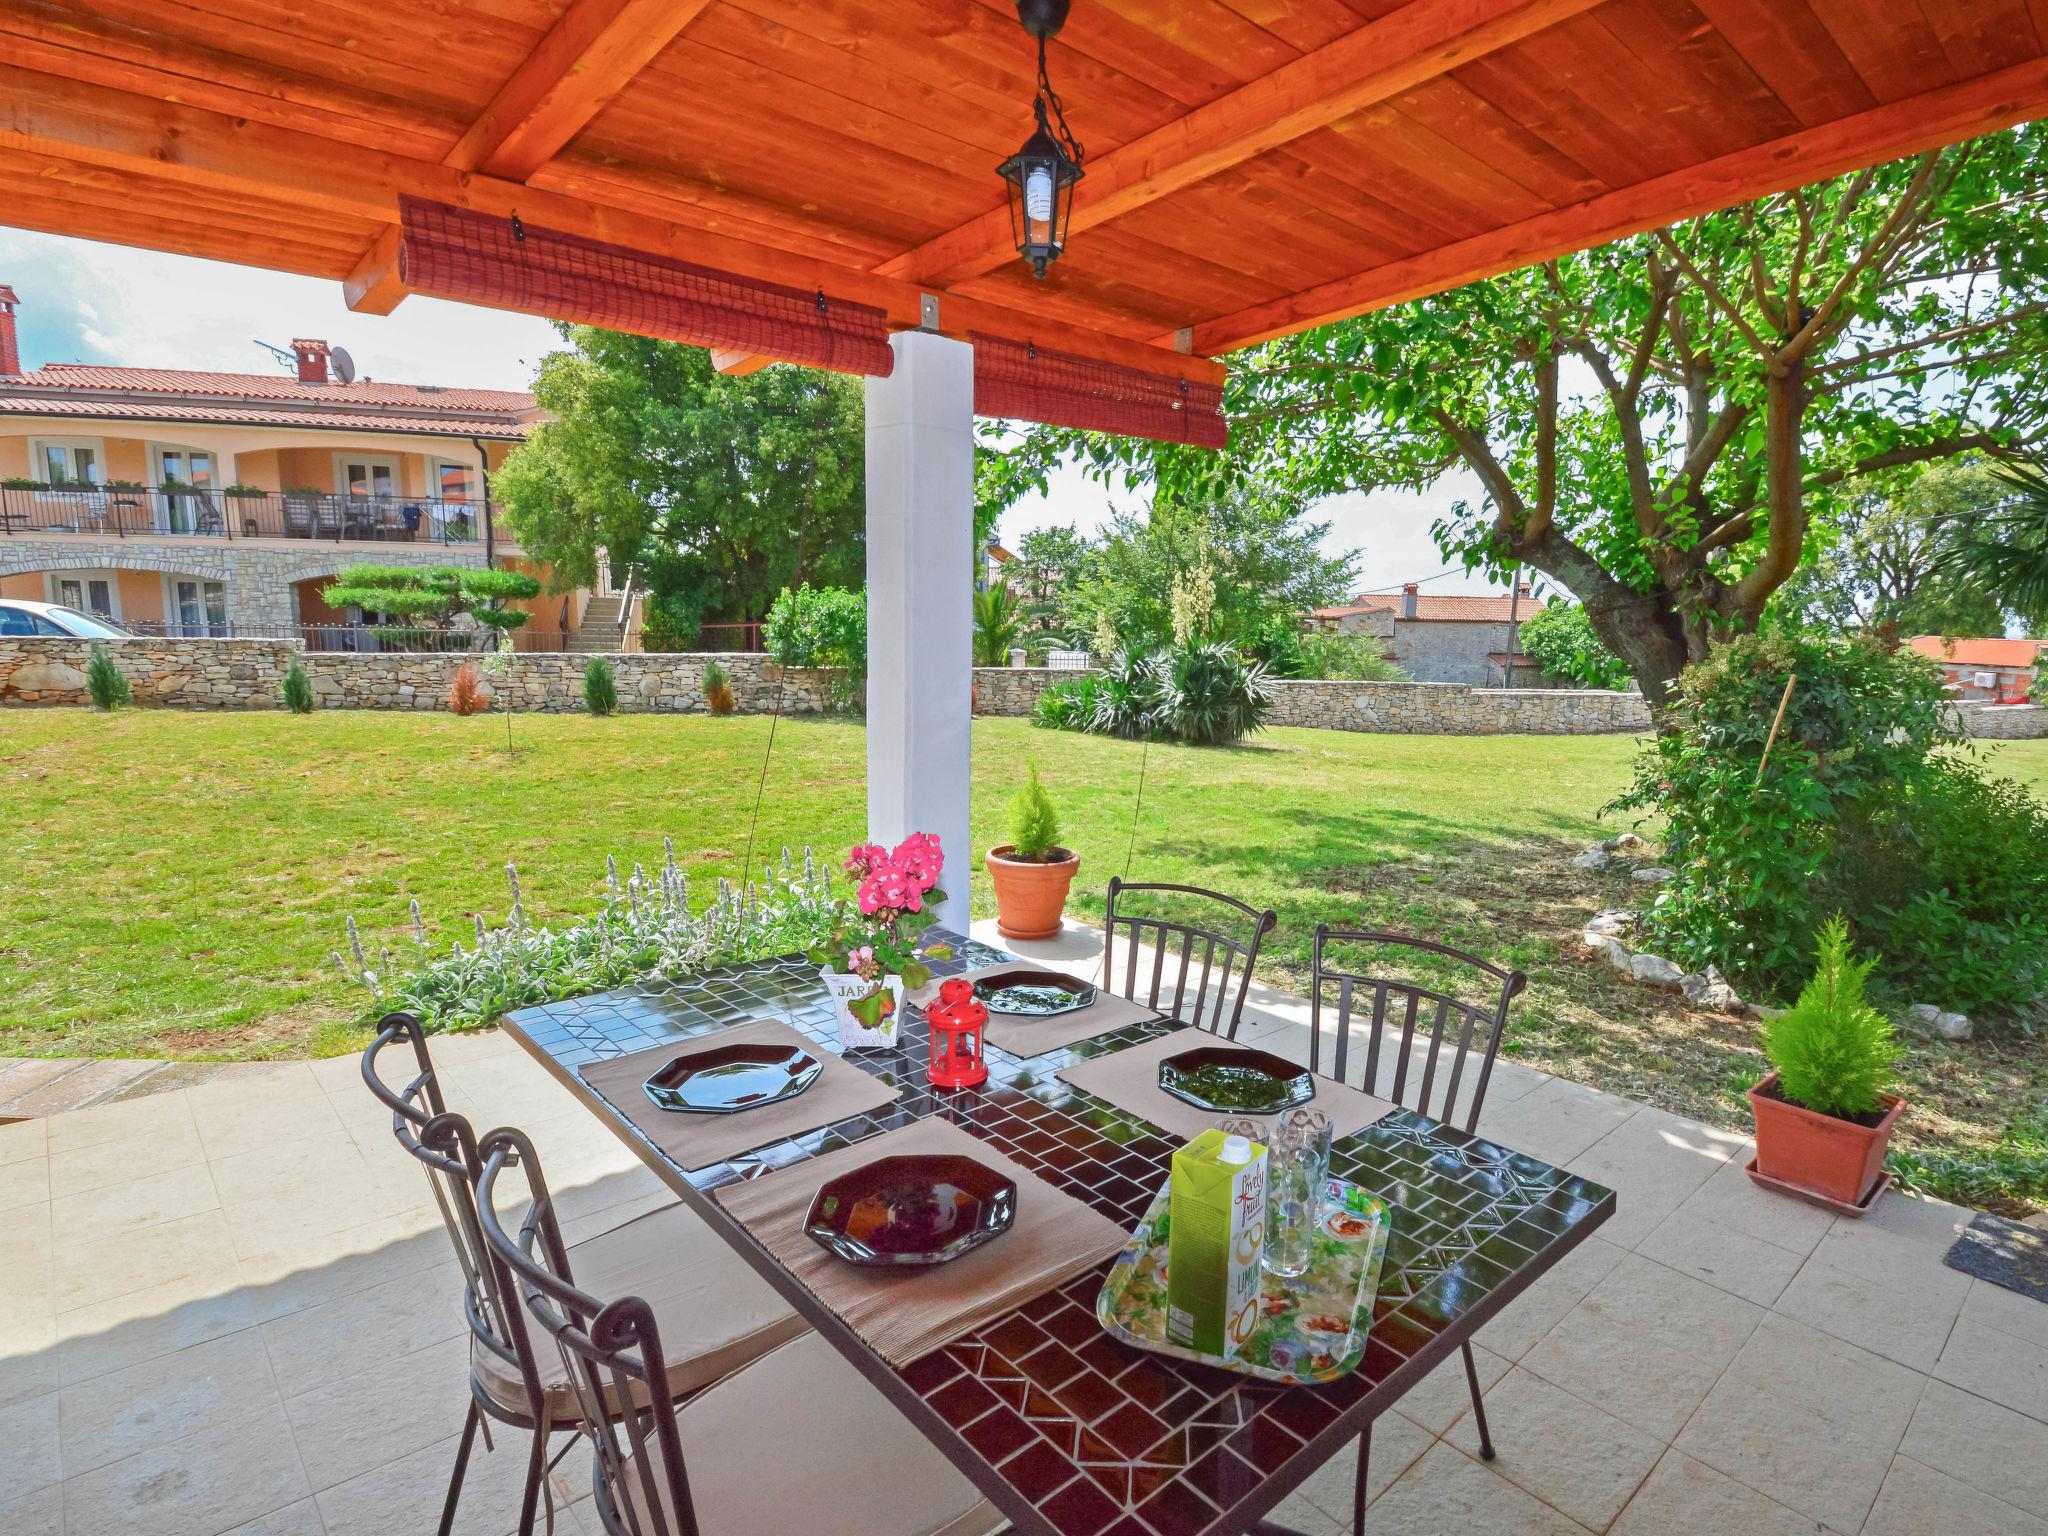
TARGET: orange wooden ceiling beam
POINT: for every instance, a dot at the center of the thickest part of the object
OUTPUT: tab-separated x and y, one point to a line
592	52
165	142
1415	44
1911	126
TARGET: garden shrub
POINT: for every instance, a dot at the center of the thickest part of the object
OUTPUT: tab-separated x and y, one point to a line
669	622
717	689
1208	695
1126	692
298	689
818	627
1068	705
1868	806
1288	650
600	687
105	682
1833	1051
466	691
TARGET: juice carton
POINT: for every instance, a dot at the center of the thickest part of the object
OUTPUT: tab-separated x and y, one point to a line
1217	1215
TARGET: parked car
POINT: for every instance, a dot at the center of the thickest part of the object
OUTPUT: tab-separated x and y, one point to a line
20	618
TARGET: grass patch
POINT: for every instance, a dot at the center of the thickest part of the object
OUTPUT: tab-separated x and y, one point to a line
171	884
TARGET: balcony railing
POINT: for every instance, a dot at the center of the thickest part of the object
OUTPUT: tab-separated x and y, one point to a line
149	511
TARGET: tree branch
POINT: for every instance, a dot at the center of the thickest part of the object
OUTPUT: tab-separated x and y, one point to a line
1714	296
1906	215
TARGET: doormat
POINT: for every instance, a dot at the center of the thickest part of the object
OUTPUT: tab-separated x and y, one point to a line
2005	1253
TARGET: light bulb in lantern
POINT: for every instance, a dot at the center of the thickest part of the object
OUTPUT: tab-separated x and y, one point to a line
1038	186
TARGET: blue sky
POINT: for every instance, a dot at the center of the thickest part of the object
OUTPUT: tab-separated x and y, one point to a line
86	302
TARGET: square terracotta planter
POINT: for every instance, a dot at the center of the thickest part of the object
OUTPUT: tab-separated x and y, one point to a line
1834	1159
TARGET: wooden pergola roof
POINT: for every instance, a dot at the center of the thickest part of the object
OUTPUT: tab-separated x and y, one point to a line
1255	166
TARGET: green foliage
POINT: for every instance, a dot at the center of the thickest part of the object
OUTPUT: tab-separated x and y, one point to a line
644	931
2011	1174
700	479
1126	697
1049	568
600	687
996	625
1034	822
668	622
1864	808
1893	556
2004	550
1209	695
298	689
1288	650
432	597
1832	1049
1067	705
105	681
818	627
1560	639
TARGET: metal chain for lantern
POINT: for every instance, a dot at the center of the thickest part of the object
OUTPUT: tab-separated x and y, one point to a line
810	508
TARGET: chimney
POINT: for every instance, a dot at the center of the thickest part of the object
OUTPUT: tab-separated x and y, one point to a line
1522	589
312	356
1408	601
10	349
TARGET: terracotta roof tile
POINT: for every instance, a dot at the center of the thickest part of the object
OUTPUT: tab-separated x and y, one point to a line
1467	610
258	416
277	386
1978	653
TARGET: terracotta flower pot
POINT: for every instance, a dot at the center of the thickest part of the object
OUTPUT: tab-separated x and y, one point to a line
1835	1159
1030	895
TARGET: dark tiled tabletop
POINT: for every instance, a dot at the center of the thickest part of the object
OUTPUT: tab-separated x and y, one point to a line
1068	1430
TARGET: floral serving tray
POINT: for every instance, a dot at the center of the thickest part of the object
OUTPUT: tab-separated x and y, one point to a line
1314	1325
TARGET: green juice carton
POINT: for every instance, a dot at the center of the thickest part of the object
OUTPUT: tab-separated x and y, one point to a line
1217	1225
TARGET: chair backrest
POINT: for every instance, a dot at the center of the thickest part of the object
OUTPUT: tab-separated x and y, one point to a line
445	1145
611	1348
1383	1004
1204	935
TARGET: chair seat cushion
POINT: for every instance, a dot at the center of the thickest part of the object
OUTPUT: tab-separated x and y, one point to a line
800	1441
714	1313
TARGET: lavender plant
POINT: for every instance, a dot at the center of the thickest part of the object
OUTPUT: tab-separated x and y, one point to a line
645	930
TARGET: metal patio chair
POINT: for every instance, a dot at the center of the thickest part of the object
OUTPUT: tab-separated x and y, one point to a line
717	1313
1401	1018
781	1445
1181	942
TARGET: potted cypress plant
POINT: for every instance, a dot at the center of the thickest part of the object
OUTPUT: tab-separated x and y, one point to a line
1031	872
1823	1119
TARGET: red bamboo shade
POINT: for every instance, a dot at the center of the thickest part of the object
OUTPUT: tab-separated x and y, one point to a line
1024	382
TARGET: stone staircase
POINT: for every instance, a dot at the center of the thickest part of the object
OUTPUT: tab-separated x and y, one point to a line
601	629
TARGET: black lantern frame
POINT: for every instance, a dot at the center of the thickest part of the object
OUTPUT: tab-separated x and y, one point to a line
1040	177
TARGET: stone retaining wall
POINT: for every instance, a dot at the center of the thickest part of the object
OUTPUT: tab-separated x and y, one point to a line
248	674
2004	722
1438	709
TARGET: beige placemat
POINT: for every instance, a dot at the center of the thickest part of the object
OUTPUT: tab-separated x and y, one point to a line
1129	1079
906	1313
1034	1037
697	1141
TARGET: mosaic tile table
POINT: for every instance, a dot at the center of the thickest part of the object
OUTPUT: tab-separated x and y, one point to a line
1066	1430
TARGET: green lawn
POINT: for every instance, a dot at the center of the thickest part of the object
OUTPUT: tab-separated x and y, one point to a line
173	883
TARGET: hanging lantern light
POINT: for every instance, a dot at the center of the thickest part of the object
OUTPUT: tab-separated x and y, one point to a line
956	1019
1041	175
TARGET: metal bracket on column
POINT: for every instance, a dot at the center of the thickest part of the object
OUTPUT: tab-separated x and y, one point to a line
928	311
1184	339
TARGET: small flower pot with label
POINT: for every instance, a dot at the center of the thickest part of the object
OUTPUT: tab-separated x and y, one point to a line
1031	894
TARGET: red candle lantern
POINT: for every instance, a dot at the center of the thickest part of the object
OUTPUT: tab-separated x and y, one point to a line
956	1020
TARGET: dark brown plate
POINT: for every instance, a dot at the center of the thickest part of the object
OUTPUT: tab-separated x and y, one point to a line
1236	1081
727	1079
911	1210
1034	994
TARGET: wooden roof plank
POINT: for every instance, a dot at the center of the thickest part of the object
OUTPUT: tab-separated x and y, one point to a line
1794	54
1889	42
589	56
1935	118
1381	59
178	144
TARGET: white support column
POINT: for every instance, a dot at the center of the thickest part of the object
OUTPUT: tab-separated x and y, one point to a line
920	492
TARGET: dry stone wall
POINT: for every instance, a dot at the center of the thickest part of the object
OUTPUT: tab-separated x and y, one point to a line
247	674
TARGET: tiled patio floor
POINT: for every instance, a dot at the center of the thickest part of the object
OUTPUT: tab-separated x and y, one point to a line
228	1308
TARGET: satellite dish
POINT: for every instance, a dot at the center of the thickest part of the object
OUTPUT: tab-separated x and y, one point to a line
344	366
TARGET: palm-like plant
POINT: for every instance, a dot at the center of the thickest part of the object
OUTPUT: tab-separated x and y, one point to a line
1208	695
996	625
2006	551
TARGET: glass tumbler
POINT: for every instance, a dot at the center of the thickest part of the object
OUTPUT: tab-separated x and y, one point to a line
1313	1126
1293	1194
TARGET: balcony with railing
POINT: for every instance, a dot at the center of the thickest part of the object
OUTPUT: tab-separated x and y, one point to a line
117	511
